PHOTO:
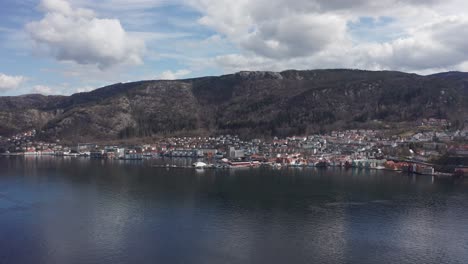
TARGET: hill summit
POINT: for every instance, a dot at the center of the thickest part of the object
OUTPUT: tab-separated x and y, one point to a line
247	103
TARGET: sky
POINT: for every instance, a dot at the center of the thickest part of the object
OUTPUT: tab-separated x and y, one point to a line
69	46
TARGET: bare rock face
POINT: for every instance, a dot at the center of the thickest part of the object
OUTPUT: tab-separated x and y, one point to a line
247	103
260	75
20	113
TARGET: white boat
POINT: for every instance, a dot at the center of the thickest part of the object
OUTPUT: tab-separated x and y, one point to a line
70	154
199	165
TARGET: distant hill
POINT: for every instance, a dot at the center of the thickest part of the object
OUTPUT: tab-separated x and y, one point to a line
247	103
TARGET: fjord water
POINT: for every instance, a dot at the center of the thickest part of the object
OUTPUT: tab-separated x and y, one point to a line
56	210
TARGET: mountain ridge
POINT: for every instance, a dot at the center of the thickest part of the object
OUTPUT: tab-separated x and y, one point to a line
250	103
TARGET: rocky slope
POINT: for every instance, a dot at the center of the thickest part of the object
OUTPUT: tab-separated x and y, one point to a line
248	103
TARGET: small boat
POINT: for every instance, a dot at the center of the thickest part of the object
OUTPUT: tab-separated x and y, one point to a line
240	164
200	165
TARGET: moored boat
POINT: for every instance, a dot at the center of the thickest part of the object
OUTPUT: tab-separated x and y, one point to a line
240	164
199	165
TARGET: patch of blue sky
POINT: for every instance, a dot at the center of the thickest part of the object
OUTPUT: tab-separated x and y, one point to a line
37	72
373	29
170	18
15	14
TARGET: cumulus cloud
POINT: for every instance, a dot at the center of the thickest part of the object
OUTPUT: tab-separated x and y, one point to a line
8	82
295	36
170	75
78	35
58	6
439	44
277	29
424	35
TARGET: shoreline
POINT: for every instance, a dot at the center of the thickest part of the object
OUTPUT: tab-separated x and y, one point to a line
214	167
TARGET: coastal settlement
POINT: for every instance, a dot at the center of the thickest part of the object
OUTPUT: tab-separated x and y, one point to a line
430	150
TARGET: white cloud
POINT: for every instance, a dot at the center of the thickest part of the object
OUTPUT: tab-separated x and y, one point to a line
56	6
424	36
439	44
8	82
295	36
42	89
76	34
170	75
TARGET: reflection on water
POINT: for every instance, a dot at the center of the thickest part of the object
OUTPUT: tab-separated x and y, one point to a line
74	210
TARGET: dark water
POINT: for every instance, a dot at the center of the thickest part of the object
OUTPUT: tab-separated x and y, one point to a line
81	211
